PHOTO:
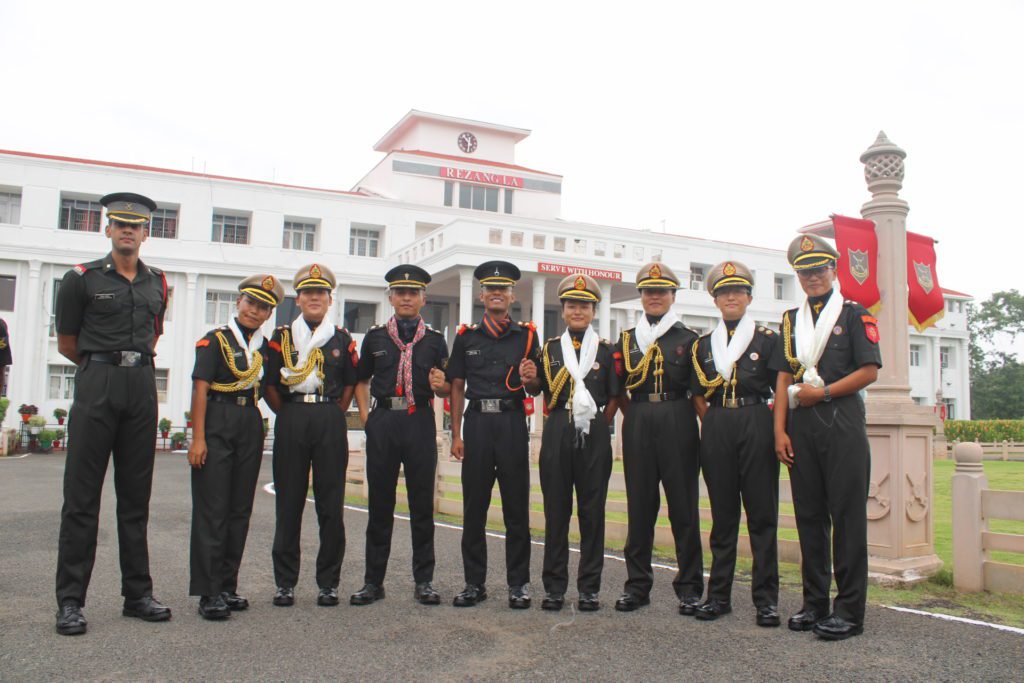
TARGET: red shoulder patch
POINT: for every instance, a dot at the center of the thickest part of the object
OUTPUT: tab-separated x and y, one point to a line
353	354
870	328
462	328
202	342
618	363
274	345
80	269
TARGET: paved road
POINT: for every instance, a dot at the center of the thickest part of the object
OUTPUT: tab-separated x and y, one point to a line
397	639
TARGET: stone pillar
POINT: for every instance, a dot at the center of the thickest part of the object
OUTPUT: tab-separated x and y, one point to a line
604	314
899	509
968	521
465	295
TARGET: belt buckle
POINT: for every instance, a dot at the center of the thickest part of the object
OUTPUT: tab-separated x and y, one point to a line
242	400
309	398
398	403
129	359
731	403
490	405
654	398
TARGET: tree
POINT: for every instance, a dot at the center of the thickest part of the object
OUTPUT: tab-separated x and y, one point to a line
997	377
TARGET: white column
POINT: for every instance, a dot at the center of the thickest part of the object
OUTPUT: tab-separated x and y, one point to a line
604	316
936	369
963	404
538	304
191	317
30	383
465	295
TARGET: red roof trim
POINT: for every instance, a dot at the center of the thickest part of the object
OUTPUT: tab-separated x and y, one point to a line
466	160
173	171
953	292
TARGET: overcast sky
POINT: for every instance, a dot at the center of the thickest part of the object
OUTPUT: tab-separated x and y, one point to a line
740	121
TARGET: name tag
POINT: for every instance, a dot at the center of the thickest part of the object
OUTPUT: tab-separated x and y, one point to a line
555	363
473	352
103	296
378	354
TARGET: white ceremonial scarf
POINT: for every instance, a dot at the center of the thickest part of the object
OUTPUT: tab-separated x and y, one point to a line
583	406
254	346
811	338
305	341
647	335
725	350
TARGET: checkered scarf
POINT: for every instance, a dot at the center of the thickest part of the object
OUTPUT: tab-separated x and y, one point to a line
404	385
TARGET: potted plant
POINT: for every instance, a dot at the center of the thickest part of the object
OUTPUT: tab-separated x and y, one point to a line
58	436
4	402
36	423
46	439
60	414
188	419
26	411
165	427
178	440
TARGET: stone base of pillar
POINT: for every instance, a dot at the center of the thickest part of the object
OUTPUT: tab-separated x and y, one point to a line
888	572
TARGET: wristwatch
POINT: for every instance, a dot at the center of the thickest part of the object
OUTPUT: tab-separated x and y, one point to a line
828	395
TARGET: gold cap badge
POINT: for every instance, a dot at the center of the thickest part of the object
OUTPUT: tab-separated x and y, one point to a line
580	283
314	271
655	271
268	283
729	270
806	244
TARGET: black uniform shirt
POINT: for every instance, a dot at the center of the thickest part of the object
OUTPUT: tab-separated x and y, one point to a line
5	344
852	344
754	377
379	360
211	367
484	361
107	312
601	381
676	345
340	362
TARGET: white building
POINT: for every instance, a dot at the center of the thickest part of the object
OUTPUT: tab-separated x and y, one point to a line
447	195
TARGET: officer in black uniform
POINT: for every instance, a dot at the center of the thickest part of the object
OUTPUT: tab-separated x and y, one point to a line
5	351
401	367
227	445
660	442
109	315
824	441
576	448
492	365
732	384
311	376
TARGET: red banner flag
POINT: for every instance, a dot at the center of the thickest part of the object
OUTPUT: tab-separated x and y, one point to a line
857	267
925	305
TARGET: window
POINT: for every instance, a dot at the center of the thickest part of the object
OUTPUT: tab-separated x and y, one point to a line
364	240
508	200
478	197
7	288
656	255
780	288
959	306
559	245
494	236
638	253
539	241
915	355
161	385
950	408
696	277
10	207
164	224
599	248
299	235
619	250
80	214
950	305
220	307
944	357
359	316
515	238
62	382
449	189
230	229
53	308
579	246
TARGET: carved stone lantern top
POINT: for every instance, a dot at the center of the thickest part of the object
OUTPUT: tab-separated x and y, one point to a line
883	166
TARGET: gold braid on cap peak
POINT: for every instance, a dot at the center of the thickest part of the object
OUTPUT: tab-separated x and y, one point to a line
557	383
246	378
314	361
709	386
787	348
643	368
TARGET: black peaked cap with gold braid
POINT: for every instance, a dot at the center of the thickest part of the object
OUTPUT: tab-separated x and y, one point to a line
497	274
315	276
263	287
729	274
811	251
128	207
656	275
579	287
407	276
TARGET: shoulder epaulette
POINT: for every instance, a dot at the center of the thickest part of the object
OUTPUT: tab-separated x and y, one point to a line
82	267
604	341
339	328
428	328
765	330
156	271
551	339
464	326
529	323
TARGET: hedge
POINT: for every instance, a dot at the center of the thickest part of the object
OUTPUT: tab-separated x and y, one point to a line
985	430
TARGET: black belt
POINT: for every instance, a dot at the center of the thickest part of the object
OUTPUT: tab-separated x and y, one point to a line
124	359
716	402
308	398
495	405
393	403
657	398
232	400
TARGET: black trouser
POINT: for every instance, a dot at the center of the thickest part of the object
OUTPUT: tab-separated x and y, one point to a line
309	434
660	444
395	438
222	495
114	410
737	455
830	475
496	445
568	461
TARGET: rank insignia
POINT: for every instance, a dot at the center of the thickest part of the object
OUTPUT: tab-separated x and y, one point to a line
806	244
314	271
580	283
268	283
655	271
729	270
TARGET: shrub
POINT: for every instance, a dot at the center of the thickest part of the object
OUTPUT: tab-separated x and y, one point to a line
59	413
37	421
165	425
985	431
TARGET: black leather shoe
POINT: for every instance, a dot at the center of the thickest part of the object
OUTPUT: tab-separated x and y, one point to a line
426	595
711	609
804	620
688	605
628	602
284	597
588	602
518	597
213	608
471	595
553	602
837	628
367	595
234	601
70	621
767	616
146	608
328	597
